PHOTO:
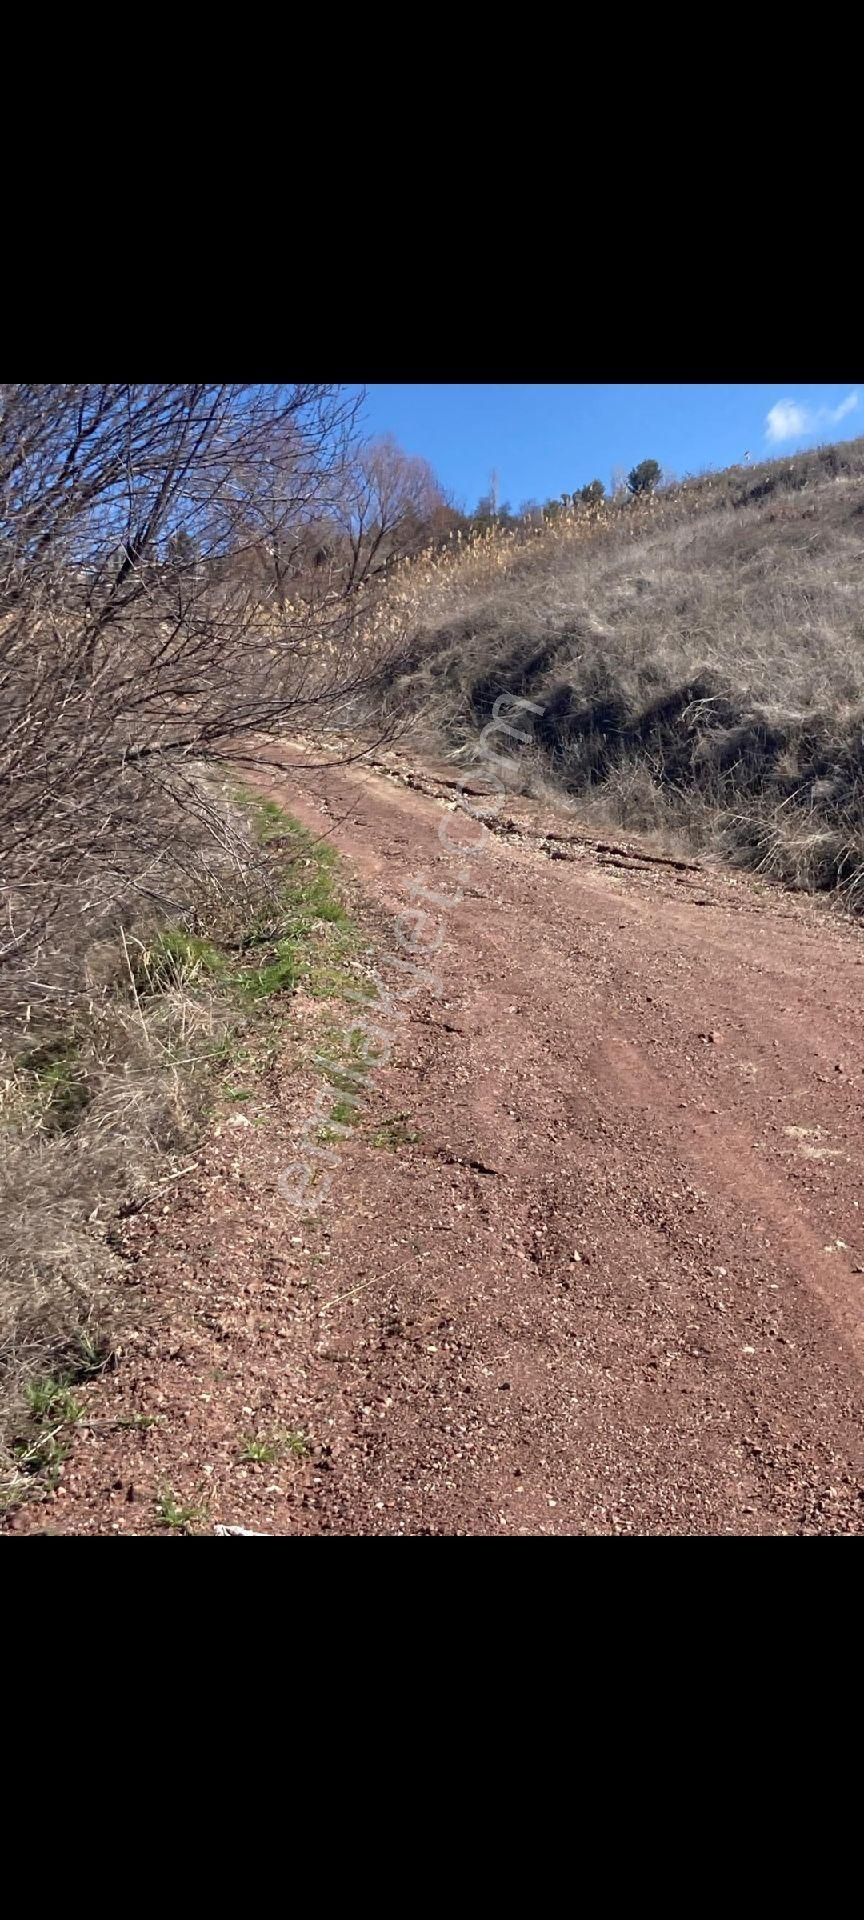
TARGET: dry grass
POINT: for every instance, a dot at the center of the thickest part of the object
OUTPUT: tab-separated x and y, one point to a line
699	659
104	1084
182	568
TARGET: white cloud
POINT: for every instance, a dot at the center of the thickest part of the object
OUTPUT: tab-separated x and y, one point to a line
788	420
785	421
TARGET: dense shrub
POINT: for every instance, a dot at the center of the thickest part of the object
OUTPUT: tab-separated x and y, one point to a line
645	477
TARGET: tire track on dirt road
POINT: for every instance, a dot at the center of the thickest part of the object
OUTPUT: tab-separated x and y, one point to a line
614	1284
644	1079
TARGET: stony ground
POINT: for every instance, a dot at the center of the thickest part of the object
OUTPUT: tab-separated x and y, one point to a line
592	1256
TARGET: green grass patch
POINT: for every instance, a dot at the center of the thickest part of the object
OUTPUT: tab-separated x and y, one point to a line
345	1053
306	933
53	1411
53	1400
269	820
393	1133
268	1448
176	1515
172	959
343	1114
91	1353
309	957
57	1076
315	936
280	975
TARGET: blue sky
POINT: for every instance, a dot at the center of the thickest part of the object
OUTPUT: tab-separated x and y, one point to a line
543	441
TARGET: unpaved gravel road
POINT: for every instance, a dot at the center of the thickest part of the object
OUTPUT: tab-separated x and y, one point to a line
615	1283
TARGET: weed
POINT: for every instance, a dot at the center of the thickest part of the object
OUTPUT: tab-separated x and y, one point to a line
345	1059
343	1114
281	975
393	1133
172	959
331	981
44	1059
44	1453
317	939
44	1445
58	1077
269	820
265	1451
170	1512
268	1449
93	1352
52	1400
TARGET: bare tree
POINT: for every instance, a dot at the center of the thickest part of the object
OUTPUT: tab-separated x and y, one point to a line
392	502
138	626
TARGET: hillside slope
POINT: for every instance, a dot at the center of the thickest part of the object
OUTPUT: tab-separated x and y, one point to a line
698	658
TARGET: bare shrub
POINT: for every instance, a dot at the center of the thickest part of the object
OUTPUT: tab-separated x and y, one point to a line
172	591
158	602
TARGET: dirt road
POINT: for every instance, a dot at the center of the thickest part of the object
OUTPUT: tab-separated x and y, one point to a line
604	1270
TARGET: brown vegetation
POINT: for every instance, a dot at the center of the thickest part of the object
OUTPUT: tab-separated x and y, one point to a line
698	654
182	568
